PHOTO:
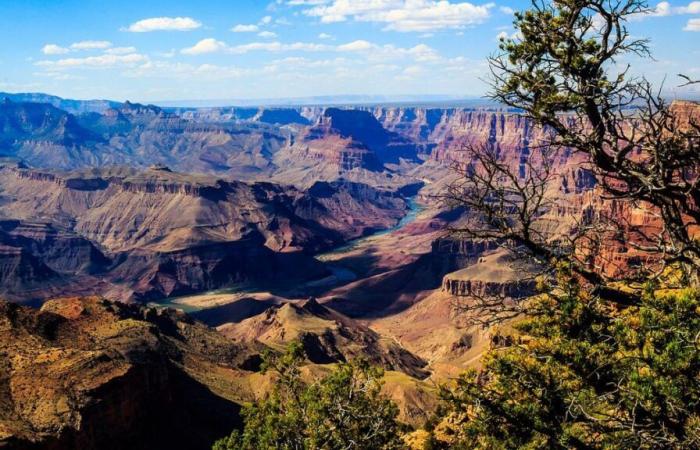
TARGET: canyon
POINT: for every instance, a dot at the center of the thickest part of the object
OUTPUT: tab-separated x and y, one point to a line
149	256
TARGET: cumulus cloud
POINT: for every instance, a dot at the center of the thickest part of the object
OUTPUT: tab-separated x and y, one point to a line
90	45
209	45
355	46
212	45
325	36
164	24
666	9
413	70
503	35
120	50
375	52
53	49
184	71
267	34
101	61
245	28
278	47
306	2
692	25
404	15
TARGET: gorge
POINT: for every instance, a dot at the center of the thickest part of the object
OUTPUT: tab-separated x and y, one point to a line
325	225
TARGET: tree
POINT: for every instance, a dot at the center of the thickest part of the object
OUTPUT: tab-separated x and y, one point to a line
343	410
585	374
595	362
562	73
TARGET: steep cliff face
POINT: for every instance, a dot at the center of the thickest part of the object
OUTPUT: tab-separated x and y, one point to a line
335	142
21	270
60	250
137	135
154	275
165	210
37	122
281	116
495	274
90	374
346	144
162	233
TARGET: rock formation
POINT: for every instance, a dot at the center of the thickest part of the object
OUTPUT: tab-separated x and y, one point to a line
90	374
162	233
326	335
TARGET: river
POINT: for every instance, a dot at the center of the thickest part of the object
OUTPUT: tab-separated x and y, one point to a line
414	209
340	275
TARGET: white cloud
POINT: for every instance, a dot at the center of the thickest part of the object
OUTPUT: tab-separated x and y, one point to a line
355	46
164	24
504	35
665	8
120	50
265	20
53	49
278	47
90	45
306	2
506	10
267	34
245	28
404	15
325	36
184	71
209	45
101	61
58	76
374	52
413	70
692	25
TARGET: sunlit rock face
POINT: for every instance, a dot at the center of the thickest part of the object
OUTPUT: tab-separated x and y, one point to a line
91	374
161	233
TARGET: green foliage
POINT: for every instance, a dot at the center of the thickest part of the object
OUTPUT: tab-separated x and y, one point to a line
587	374
345	409
595	367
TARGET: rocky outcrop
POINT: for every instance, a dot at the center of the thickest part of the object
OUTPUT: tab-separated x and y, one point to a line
496	274
137	135
281	116
327	336
458	253
346	144
454	285
90	374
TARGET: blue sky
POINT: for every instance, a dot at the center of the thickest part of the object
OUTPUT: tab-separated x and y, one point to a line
244	49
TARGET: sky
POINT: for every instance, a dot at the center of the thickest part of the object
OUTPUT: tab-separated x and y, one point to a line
160	50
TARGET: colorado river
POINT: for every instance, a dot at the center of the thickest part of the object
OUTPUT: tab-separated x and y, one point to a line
339	275
413	210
